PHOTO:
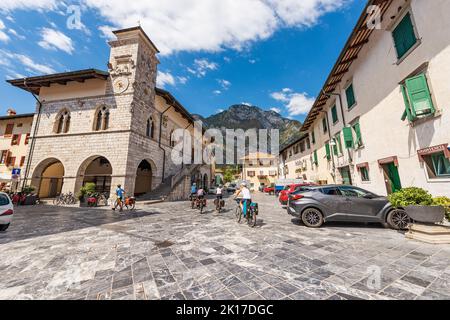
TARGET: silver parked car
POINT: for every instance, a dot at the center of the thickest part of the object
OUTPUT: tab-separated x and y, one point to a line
317	205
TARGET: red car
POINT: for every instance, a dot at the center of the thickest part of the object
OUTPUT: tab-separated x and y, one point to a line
269	190
284	195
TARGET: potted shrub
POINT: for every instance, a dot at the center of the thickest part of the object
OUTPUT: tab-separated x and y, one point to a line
30	196
87	191
443	202
418	204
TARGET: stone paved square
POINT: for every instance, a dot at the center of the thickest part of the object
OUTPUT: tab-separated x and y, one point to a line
169	251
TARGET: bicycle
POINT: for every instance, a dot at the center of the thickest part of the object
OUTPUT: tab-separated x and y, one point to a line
201	204
129	203
102	200
193	199
65	199
219	203
252	213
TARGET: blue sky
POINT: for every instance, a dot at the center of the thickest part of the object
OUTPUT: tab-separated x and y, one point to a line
273	54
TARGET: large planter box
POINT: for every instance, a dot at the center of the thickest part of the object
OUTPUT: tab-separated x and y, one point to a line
30	201
426	214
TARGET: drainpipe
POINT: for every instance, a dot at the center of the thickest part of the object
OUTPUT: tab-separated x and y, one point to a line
341	107
331	149
33	138
159	145
182	163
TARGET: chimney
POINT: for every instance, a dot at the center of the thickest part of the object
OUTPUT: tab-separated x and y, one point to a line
11	112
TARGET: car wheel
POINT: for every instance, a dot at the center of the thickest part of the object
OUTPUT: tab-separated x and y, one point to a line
312	218
4	227
398	219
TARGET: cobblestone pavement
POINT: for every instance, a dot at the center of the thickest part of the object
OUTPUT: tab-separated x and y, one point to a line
168	251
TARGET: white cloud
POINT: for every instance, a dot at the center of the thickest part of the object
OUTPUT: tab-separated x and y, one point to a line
304	13
9	5
107	32
165	78
220	110
247	104
252	61
225	84
202	66
212	25
182	80
53	39
295	103
3	36
9	59
277	110
14	33
217	92
197	25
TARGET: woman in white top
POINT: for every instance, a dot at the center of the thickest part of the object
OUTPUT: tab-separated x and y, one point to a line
246	198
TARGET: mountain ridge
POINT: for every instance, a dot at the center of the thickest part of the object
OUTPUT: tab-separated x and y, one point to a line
242	116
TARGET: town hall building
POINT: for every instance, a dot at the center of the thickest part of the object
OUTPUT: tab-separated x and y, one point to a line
108	127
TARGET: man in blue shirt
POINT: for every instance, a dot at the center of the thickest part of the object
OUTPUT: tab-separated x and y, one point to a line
120	193
193	190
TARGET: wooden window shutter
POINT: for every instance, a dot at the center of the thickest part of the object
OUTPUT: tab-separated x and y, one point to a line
328	151
419	96
404	36
357	129
350	94
348	138
334	114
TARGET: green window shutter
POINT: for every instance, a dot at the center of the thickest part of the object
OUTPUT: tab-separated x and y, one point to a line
348	138
328	151
335	147
419	96
334	114
316	158
407	113
324	125
350	93
357	129
313	137
404	36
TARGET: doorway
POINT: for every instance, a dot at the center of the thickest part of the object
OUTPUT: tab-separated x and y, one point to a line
52	180
346	175
391	177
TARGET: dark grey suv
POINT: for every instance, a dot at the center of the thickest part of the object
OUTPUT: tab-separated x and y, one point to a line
317	205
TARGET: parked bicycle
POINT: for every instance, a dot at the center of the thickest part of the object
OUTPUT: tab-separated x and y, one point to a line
102	199
252	213
65	199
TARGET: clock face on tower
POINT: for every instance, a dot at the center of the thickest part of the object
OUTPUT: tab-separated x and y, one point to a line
121	84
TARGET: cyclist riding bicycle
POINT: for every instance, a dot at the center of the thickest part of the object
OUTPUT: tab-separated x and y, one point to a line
120	193
246	198
193	191
201	193
219	192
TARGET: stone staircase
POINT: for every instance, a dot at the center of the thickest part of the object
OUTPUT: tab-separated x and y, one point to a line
160	193
174	188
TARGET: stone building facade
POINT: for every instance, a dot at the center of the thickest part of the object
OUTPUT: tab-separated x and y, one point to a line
14	140
109	128
382	119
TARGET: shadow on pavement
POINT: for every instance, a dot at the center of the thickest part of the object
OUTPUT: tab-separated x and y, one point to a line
43	220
